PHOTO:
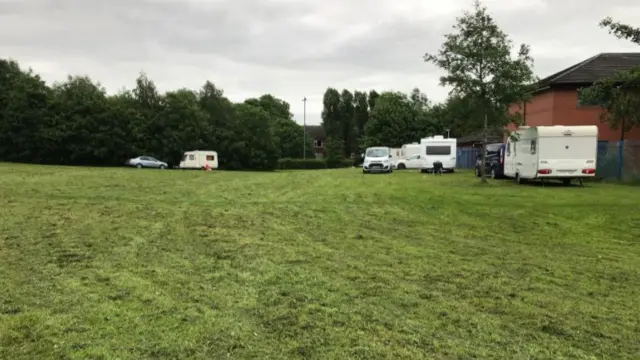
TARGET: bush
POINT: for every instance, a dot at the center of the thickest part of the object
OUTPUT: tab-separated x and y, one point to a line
309	164
289	164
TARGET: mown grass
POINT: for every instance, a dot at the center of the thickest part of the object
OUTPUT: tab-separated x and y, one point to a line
145	264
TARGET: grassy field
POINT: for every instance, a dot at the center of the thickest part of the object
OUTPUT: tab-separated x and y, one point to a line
149	264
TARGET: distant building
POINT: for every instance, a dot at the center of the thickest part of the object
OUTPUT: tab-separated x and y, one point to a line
316	132
555	100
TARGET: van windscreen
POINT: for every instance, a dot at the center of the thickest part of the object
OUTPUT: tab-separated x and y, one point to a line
438	150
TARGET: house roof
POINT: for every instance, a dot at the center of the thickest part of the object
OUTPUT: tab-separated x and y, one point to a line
315	131
591	70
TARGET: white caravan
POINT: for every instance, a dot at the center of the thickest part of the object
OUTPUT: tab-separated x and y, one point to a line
437	148
552	152
396	154
198	159
410	157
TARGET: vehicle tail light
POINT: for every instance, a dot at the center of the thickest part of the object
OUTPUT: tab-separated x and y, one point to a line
588	171
544	171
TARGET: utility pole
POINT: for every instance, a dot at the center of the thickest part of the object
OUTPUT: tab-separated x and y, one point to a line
304	128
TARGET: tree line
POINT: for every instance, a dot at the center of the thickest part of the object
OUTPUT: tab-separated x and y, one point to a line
77	123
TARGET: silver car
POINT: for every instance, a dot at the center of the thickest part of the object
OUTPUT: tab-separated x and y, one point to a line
146	162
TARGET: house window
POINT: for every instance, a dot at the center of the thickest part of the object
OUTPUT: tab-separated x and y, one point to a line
211	158
533	146
317	143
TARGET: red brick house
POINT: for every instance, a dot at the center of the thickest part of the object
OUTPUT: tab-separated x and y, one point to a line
555	101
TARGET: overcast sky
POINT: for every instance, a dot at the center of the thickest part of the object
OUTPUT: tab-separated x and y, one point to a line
289	48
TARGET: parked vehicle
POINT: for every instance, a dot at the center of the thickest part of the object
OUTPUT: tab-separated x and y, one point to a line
377	159
146	162
437	148
494	162
412	162
396	154
199	159
556	152
408	152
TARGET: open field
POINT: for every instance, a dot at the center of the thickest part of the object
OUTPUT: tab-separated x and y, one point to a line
149	264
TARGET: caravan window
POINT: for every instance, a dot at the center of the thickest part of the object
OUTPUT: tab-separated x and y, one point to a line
191	157
439	150
533	146
210	158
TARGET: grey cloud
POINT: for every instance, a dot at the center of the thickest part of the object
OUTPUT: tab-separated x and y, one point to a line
285	47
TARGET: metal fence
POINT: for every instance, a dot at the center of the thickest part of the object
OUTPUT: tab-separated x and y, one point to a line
616	160
619	160
466	158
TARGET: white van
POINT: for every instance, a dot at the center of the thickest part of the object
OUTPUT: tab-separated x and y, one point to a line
552	152
437	148
198	159
377	159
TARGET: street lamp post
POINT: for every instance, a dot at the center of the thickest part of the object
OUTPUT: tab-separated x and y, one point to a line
304	128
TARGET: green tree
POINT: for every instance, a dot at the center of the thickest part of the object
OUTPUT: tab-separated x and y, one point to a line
347	122
334	148
185	126
149	102
331	115
83	128
253	141
288	134
360	119
24	115
392	122
458	114
477	57
373	97
618	95
222	124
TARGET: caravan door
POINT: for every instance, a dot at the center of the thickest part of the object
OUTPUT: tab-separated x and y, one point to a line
509	159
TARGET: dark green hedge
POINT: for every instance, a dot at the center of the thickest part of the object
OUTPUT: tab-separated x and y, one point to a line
297	164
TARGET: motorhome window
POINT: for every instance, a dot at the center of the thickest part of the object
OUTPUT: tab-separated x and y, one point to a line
533	146
438	150
210	158
191	157
377	152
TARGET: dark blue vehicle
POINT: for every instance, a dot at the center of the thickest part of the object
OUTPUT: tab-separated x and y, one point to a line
494	164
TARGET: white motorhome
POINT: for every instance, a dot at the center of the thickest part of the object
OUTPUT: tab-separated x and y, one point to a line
198	159
552	152
437	148
410	157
